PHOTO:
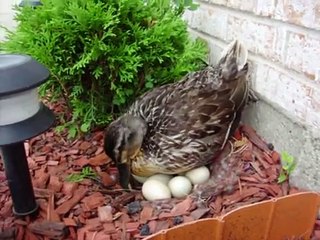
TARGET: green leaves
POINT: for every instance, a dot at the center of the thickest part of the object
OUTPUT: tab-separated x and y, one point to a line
282	177
288	163
104	53
288	166
85	127
86	172
185	4
190	5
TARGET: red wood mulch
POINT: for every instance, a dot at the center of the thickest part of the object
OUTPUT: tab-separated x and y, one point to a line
245	173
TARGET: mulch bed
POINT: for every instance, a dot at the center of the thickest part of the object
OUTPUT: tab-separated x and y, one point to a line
246	172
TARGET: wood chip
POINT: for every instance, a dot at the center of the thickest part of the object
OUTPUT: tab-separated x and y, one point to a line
99	160
124	218
254	138
256	167
81	233
153	226
52	163
93	201
52	230
146	214
20	233
6	209
55	184
163	215
109	227
72	152
199	213
275	157
132	226
124	199
247	155
236	197
42	178
81	162
187	219
85	146
262	158
101	235
268	158
217	204
40	158
94	224
73	233
182	207
67	205
42	193
316	234
68	188
162	225
105	214
8	234
106	179
69	222
99	150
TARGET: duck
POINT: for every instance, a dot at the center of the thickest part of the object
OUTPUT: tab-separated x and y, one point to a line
183	125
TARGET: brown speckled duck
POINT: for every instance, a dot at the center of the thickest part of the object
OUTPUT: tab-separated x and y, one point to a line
179	126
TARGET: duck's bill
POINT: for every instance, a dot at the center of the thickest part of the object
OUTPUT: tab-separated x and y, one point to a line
124	175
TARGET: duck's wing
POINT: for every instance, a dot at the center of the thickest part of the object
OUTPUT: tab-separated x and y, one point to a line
195	116
204	103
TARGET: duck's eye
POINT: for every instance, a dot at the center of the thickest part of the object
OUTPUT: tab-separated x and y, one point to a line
130	137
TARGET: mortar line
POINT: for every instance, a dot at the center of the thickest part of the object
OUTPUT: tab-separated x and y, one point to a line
260	59
263	19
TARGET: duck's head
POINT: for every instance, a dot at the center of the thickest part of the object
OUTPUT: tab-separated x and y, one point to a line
122	142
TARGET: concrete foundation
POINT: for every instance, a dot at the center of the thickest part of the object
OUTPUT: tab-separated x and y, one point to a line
286	135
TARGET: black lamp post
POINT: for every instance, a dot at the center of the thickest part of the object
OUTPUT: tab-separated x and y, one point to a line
22	116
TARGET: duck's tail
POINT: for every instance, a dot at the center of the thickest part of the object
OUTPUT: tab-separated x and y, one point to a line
234	61
234	70
234	65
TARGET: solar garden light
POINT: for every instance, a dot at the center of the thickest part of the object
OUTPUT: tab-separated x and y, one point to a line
22	116
32	3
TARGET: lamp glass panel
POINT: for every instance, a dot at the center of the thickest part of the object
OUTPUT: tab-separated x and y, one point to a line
18	107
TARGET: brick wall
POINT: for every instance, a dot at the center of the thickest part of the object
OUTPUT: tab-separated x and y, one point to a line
283	38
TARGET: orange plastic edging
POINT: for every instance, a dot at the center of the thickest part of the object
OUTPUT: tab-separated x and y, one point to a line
275	219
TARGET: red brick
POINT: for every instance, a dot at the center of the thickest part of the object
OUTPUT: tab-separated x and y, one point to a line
300	12
245	5
265	8
303	53
220	2
292	94
207	19
260	38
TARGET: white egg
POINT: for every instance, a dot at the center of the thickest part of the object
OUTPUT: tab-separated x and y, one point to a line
164	178
155	190
180	186
198	175
139	179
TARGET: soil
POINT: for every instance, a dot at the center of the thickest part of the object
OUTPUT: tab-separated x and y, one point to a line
246	172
